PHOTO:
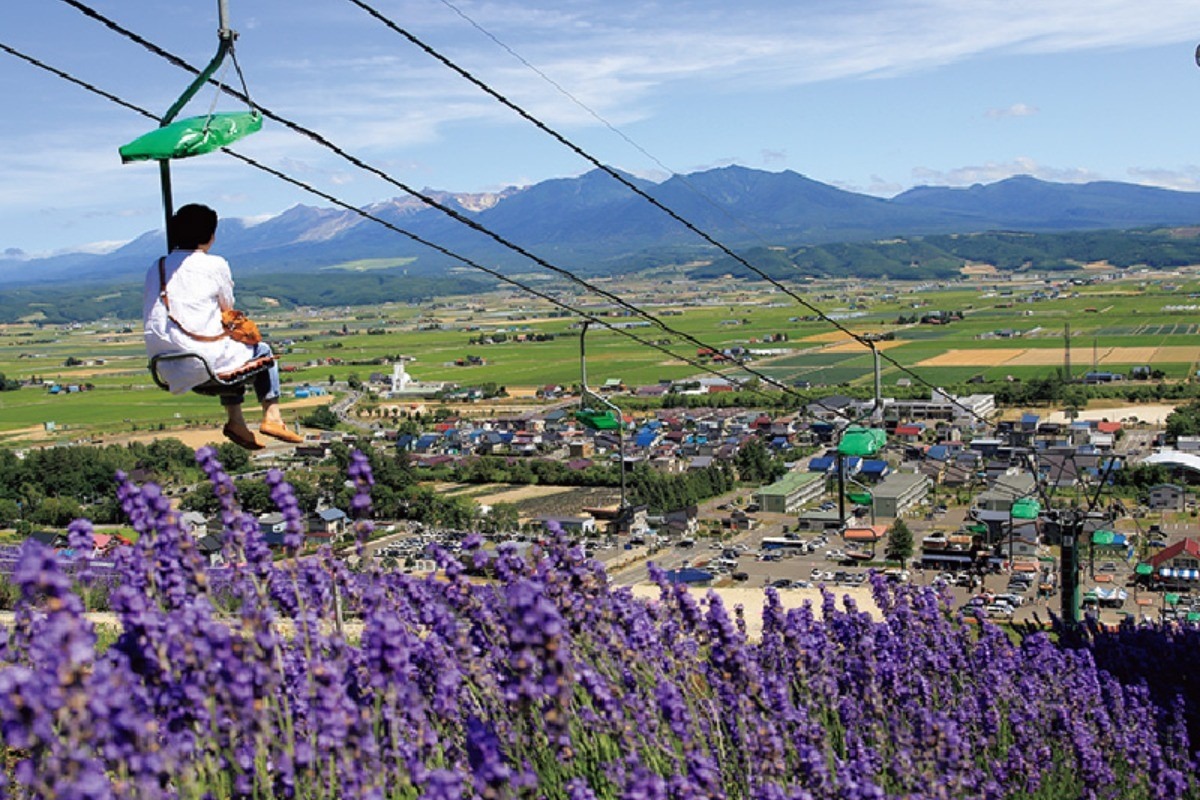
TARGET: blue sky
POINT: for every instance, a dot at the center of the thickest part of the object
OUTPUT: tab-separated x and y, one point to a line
874	96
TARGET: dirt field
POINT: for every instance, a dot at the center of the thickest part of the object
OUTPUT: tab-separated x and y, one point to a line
857	347
192	437
752	600
1044	357
831	337
1154	414
494	493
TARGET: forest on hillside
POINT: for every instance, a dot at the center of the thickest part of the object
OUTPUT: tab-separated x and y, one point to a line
941	257
65	303
902	258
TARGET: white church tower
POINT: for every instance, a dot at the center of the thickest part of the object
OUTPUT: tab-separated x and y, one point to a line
400	378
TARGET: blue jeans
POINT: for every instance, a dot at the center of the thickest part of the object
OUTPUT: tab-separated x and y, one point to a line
266	382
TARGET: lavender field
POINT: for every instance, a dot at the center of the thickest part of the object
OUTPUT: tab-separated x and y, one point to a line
542	681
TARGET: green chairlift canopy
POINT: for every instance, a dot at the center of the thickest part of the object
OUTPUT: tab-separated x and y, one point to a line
862	498
1171	599
1144	569
1102	537
977	527
862	442
193	136
1026	508
597	420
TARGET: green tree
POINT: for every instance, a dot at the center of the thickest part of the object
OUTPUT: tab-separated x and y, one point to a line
1184	421
9	512
322	418
900	542
57	512
504	517
755	464
233	458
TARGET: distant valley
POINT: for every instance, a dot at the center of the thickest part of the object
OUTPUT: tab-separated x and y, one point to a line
786	225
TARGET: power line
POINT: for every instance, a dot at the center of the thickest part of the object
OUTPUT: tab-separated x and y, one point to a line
453	213
527	116
367	215
724	210
457	216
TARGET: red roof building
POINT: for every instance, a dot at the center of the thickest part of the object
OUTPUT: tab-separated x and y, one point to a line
1187	550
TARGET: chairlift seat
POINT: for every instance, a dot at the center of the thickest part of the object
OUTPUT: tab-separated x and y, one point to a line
862	442
219	384
193	136
597	420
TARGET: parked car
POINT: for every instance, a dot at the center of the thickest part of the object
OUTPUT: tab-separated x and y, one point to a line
740	576
782	583
1108	566
1001	610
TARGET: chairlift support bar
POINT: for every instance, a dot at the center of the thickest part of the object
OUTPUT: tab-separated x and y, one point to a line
225	39
584	393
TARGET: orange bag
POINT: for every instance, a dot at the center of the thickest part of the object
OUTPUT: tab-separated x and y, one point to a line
239	327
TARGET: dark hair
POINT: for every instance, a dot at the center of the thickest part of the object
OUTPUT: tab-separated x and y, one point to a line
191	226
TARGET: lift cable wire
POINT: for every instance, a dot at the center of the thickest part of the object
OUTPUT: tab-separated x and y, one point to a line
459	217
77	81
319	139
723	210
430	201
527	116
414	237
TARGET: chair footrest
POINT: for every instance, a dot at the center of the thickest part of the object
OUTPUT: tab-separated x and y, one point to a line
247	370
217	382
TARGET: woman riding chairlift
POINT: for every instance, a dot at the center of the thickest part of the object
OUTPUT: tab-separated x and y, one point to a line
185	293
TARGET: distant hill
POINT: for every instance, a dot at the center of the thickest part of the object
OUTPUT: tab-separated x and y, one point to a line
593	224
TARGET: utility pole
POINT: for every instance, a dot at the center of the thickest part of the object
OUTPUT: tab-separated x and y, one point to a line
225	39
1071	522
1067	352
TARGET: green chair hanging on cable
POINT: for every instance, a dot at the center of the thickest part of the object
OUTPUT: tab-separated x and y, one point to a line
861	442
1026	508
195	136
597	420
862	498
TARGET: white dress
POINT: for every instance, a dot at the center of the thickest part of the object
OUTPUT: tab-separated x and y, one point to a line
199	285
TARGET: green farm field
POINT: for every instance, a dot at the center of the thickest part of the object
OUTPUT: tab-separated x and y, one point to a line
1007	331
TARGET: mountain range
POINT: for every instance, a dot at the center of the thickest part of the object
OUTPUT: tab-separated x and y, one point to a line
592	224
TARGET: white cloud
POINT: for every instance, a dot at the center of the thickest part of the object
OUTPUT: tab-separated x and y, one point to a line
774	158
653	43
1015	110
1183	180
993	171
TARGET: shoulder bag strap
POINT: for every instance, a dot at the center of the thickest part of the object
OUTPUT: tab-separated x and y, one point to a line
162	293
